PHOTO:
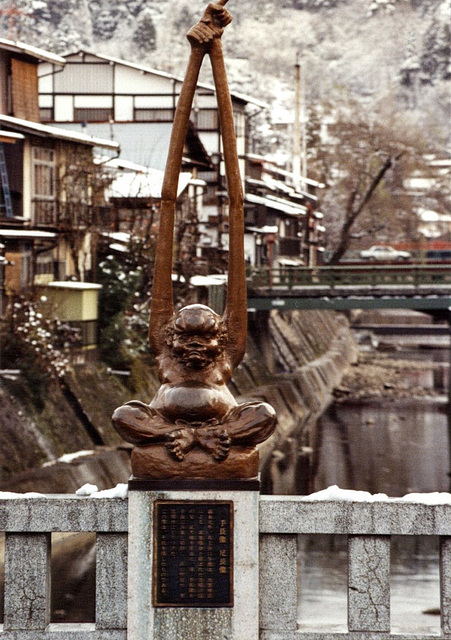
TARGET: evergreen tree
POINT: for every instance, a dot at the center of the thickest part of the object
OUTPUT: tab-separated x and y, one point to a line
145	35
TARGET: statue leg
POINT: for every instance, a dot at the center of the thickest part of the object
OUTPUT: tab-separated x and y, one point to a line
250	423
245	425
139	424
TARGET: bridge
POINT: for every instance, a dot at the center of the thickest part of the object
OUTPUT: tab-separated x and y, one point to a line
422	287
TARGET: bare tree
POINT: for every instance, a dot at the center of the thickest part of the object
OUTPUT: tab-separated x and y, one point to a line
364	160
82	186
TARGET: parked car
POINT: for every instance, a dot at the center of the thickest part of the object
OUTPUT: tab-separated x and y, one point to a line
381	252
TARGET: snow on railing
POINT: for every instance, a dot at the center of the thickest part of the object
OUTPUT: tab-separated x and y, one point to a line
29	519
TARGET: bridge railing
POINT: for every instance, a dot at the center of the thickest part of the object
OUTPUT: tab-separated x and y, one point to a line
29	522
372	275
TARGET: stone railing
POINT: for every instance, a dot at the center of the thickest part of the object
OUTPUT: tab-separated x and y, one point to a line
29	522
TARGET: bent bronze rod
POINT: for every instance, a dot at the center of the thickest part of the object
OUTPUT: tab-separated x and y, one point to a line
162	304
204	39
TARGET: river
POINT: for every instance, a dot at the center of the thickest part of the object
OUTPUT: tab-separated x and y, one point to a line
394	446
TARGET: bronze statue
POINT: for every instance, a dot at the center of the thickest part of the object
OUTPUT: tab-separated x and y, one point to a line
193	427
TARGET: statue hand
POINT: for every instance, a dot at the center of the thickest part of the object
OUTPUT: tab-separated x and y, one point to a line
211	25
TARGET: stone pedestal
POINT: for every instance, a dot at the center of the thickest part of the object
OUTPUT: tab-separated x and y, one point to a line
193	560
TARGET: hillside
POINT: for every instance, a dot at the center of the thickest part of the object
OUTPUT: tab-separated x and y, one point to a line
373	49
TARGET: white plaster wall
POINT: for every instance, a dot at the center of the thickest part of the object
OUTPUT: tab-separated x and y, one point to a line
64	109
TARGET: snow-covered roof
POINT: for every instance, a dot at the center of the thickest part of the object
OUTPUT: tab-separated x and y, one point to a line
277	204
267	228
208	281
56	132
142	143
444	163
115	246
290	262
8	136
271	165
39	54
28	234
144	185
290	174
72	284
163	74
124	63
419	183
118	236
427	215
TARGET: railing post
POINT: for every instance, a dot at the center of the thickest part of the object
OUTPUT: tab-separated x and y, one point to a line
27	581
445	584
278	582
417	276
369	583
111	580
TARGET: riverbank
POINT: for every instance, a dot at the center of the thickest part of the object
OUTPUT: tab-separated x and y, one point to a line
379	375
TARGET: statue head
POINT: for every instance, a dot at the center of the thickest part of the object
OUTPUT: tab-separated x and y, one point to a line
196	336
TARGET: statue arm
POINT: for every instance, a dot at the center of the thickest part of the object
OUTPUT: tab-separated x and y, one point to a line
162	304
201	38
235	314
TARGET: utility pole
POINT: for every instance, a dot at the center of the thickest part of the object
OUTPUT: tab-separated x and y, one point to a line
299	159
12	12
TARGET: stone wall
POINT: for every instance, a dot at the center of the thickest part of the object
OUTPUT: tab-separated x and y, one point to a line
312	350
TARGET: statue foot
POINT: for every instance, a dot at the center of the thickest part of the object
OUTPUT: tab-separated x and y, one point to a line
215	440
179	442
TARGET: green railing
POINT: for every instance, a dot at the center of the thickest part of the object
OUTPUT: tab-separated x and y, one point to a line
411	275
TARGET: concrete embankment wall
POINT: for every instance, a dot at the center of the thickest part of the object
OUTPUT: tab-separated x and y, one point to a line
311	351
293	361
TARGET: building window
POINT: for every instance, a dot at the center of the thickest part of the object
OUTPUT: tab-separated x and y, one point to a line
44	188
27	269
44	265
153	115
207	120
46	114
239	124
89	114
87	331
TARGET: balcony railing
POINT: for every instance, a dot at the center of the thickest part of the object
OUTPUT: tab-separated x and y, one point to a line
44	213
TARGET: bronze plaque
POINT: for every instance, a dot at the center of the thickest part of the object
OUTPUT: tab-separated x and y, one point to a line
193	554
